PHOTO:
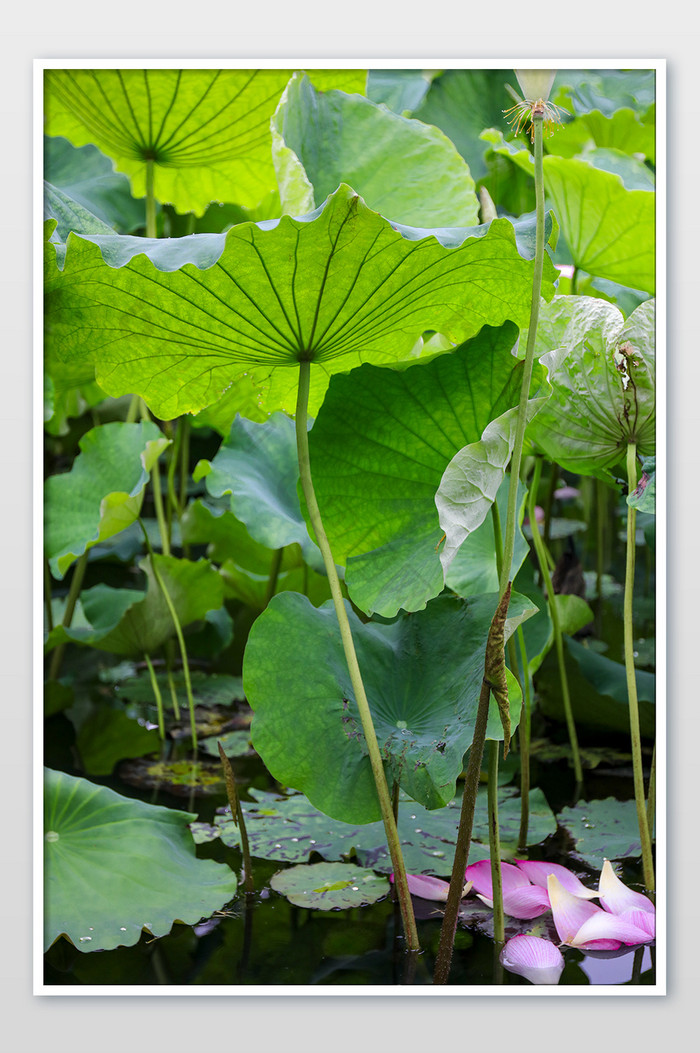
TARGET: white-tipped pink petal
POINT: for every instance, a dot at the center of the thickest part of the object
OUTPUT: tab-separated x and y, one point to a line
427	887
538	872
616	897
538	960
608	929
643	919
527	902
480	874
569	912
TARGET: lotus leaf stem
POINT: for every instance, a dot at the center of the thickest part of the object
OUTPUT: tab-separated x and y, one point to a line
238	817
375	758
157	695
524	736
635	734
556	624
178	632
71	600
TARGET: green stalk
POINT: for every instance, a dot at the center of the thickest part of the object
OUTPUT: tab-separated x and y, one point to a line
73	593
47	595
524	735
449	923
238	818
521	421
647	858
151	230
157	695
178	632
495	845
443	960
651	795
274	574
375	758
556	624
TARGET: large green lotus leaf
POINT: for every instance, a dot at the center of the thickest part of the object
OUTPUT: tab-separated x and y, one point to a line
379	447
604	393
194	588
462	102
471	480
103	492
474	569
290	829
115	866
422	674
581	91
87	177
622	130
69	215
405	169
257	465
206	131
109	735
176	320
609	229
609	677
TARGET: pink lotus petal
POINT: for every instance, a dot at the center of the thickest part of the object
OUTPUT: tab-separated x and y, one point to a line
538	872
480	874
643	919
564	493
538	960
604	927
427	887
570	912
616	897
528	902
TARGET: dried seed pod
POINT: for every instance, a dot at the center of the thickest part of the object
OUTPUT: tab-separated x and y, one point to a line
495	665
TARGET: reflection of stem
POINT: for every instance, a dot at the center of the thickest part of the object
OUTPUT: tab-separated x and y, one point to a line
495	844
157	695
72	599
635	734
178	632
556	624
351	659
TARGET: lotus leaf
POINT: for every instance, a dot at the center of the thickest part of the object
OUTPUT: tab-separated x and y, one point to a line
405	169
329	886
103	492
186	316
205	132
116	866
604	393
422	674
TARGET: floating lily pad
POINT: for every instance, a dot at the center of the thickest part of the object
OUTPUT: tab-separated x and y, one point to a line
116	866
234	744
290	829
602	830
330	886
